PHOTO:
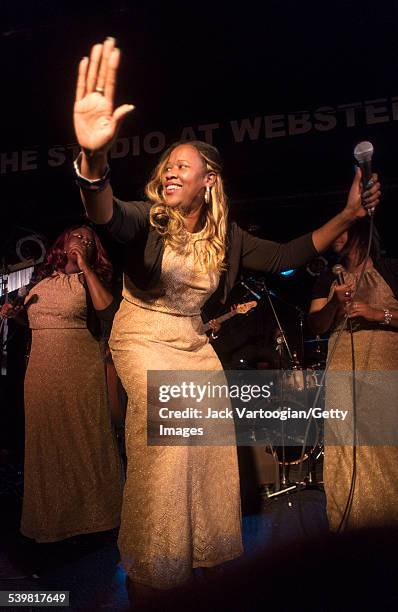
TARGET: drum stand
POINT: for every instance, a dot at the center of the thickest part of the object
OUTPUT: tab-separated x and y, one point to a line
282	344
285	485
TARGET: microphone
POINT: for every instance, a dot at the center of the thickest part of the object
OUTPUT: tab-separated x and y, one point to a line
263	287
363	153
338	272
256	295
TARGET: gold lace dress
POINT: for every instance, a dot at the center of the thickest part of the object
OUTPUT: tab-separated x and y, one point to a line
72	476
375	499
181	506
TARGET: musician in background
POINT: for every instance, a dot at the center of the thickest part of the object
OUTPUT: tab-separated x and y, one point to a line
14	345
248	340
215	327
373	313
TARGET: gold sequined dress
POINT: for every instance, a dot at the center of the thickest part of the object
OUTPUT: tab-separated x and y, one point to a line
375	499
181	506
72	476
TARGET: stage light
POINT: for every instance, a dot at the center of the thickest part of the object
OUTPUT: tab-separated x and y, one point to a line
287	273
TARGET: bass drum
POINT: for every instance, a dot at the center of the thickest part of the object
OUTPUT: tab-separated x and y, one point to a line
299	379
290	454
293	454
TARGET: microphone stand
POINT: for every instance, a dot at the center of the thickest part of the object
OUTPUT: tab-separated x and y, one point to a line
282	343
286	485
265	290
301	317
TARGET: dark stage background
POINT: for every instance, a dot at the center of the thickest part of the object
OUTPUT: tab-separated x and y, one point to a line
192	65
284	89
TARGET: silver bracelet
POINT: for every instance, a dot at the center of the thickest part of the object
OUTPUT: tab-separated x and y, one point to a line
387	317
88	184
213	336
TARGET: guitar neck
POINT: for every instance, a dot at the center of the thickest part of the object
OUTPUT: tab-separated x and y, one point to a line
221	319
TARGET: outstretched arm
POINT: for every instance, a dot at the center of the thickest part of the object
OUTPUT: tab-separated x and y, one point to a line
268	256
97	123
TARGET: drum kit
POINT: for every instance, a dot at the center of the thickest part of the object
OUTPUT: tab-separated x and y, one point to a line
300	387
300	382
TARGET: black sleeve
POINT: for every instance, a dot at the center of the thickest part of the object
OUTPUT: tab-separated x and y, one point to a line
321	288
129	220
100	321
107	314
267	256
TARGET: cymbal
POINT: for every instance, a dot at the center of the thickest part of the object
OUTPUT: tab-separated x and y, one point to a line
316	340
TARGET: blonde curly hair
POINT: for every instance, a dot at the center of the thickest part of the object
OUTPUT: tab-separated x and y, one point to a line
169	221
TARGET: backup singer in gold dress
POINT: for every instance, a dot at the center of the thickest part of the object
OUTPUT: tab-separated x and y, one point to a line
181	506
375	498
72	476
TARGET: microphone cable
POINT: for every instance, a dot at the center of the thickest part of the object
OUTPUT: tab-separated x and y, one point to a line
331	353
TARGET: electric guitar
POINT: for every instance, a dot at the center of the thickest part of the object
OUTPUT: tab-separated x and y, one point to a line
240	309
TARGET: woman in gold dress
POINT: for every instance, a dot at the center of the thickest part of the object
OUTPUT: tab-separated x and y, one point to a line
374	316
72	476
181	506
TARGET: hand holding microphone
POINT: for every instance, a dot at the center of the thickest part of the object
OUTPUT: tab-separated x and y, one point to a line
363	153
365	191
342	291
77	253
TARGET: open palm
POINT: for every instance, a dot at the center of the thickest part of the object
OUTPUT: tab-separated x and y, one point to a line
95	119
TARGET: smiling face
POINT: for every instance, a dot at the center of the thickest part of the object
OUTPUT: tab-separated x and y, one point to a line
184	178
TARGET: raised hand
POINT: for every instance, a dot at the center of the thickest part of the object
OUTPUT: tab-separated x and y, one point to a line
96	120
359	202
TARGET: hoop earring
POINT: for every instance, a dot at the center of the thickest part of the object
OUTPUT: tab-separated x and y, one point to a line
207	195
